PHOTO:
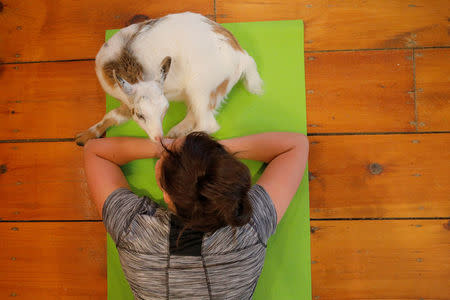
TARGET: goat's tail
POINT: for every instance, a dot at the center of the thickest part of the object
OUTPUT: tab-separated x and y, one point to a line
252	81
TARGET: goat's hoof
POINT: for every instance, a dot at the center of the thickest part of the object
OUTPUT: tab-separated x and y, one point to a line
208	129
82	138
177	132
171	135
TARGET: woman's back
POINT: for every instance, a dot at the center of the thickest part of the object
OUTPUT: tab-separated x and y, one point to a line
209	190
160	264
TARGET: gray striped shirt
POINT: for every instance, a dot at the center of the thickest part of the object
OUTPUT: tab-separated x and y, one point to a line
224	264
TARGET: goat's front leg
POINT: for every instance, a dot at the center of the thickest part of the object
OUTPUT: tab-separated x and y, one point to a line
206	122
184	127
114	117
204	117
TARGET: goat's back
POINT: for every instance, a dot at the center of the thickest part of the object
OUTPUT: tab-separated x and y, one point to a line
202	52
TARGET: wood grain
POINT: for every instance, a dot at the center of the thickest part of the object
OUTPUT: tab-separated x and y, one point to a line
53	260
58	200
405	259
349	24
41	30
44	181
49	100
379	176
41	162
433	89
360	91
371	92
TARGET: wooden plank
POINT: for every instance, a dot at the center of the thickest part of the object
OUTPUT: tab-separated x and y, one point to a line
360	91
379	176
59	200
44	30
44	181
373	85
54	260
49	100
433	89
405	259
332	25
41	162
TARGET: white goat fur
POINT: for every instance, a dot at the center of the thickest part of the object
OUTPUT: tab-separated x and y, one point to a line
204	65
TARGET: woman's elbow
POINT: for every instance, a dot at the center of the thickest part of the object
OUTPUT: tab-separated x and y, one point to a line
90	146
302	142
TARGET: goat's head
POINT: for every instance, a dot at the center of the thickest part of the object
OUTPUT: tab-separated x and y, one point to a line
149	104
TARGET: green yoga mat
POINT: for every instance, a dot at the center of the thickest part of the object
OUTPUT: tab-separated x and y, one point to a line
277	48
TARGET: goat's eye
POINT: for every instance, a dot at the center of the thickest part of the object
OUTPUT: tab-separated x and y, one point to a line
140	116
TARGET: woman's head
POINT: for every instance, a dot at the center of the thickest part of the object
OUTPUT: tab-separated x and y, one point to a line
207	185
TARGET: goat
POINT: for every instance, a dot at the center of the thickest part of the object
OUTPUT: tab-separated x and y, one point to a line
179	57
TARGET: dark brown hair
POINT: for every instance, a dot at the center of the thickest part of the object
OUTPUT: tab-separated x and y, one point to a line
208	186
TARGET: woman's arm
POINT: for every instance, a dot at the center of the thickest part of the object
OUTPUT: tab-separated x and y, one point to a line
286	154
103	158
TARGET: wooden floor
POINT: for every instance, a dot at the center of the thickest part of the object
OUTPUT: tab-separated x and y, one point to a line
377	80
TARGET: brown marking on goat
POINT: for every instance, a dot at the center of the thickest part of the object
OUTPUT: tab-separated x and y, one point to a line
106	124
137	19
229	37
99	129
143	27
126	66
83	137
124	111
151	23
165	67
219	91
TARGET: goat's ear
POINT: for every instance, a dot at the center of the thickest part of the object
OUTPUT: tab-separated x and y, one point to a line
126	87
165	66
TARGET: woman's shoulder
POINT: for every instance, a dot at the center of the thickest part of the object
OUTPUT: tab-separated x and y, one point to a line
127	201
261	200
264	216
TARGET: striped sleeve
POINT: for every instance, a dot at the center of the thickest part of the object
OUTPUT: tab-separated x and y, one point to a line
120	208
264	213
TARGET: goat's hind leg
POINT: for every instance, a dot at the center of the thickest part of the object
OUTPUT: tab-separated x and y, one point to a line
114	117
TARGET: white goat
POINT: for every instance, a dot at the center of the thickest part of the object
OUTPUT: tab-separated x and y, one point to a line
205	61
